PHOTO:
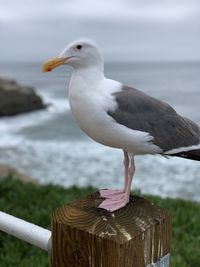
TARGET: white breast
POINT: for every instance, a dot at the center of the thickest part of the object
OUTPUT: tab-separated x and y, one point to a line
89	105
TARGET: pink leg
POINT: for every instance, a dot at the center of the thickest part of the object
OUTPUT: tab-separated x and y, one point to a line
126	166
119	200
131	172
111	193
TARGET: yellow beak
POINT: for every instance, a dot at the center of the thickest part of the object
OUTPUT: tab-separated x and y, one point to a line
52	64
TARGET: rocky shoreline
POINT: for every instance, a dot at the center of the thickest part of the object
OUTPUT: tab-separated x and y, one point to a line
8	171
16	99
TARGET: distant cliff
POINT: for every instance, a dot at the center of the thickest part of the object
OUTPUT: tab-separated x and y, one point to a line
16	99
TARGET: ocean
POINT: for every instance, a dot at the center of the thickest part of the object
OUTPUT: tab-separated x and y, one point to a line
49	146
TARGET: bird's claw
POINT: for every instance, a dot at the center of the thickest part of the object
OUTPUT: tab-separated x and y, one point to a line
117	201
110	193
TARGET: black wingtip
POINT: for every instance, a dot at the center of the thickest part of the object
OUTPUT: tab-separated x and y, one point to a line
192	154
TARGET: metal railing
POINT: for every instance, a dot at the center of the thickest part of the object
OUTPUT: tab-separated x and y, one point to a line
29	232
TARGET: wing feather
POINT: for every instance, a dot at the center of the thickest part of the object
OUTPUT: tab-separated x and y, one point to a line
138	111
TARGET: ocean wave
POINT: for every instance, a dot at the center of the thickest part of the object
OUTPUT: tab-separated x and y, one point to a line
84	163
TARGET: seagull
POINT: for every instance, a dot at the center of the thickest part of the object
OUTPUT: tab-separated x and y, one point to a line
119	116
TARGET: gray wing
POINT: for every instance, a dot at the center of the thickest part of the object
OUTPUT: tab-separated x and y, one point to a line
139	111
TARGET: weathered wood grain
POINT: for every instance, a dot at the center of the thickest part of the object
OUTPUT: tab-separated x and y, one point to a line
86	236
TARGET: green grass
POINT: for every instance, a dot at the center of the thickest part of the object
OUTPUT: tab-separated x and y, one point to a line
36	203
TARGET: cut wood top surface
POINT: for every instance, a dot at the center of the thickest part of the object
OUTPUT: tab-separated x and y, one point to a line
119	226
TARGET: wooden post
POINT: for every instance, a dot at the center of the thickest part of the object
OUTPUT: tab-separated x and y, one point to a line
137	235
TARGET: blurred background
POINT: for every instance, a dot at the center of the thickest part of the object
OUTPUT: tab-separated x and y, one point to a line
151	45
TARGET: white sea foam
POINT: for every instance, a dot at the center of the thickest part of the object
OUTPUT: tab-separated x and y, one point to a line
87	163
9	126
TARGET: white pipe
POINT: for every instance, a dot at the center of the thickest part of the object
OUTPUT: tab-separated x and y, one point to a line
26	231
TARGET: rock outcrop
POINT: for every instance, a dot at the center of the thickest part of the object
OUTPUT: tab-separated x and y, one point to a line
16	99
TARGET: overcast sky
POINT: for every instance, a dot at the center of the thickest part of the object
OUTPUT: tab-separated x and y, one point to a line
34	30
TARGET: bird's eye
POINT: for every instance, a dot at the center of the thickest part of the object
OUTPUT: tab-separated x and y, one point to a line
79	47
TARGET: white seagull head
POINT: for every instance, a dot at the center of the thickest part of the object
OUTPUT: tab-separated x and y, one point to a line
83	53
